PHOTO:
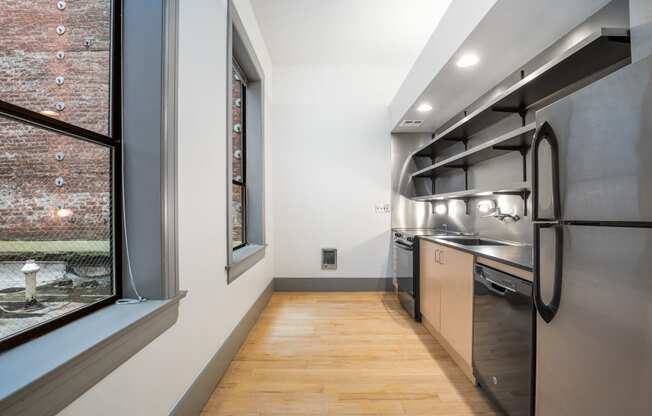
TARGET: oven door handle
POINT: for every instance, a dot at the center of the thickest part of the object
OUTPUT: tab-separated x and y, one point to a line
492	284
504	288
402	245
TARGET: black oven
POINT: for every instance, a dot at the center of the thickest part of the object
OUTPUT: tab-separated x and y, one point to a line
404	277
405	256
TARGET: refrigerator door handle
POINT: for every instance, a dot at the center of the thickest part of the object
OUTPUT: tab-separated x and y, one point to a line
548	311
546	133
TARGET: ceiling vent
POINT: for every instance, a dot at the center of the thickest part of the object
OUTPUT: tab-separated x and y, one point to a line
410	123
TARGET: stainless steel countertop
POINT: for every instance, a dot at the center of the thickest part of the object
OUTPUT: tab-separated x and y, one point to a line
513	254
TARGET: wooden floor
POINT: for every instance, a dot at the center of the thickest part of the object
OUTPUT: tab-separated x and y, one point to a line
342	354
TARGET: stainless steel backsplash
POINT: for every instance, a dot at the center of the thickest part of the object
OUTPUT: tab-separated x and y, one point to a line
496	173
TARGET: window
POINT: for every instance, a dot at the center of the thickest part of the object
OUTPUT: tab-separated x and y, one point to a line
245	153
60	159
239	161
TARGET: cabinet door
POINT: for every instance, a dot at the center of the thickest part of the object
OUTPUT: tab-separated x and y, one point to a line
457	300
430	299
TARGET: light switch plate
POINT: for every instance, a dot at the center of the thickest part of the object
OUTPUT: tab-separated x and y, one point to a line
382	209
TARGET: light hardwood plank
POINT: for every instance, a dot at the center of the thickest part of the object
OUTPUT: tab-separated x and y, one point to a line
342	354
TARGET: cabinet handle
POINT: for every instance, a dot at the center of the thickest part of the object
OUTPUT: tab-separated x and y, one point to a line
436	255
440	257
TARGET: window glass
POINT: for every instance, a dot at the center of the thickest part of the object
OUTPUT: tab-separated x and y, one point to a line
238	159
55	226
237	107
55	59
238	238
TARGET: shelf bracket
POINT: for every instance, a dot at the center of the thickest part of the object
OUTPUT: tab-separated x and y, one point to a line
466	203
522	150
464	140
465	168
524	196
524	157
521	111
430	157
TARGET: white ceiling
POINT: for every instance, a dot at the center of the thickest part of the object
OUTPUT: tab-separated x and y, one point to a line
358	32
511	33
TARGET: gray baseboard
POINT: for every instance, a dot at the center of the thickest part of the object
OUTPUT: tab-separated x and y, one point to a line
333	284
200	391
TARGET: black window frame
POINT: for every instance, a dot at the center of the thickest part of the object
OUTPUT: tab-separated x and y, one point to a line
242	184
112	141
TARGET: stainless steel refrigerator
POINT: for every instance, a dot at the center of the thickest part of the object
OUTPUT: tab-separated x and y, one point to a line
592	203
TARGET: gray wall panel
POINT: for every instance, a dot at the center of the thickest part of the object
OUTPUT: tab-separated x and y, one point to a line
142	98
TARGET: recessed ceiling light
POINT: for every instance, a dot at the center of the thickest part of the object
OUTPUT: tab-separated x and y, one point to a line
468	60
424	108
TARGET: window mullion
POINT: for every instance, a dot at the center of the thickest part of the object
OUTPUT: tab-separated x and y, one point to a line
35	119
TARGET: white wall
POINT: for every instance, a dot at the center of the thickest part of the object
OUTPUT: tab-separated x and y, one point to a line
152	381
331	167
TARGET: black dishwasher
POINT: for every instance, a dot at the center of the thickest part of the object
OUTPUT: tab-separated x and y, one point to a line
503	323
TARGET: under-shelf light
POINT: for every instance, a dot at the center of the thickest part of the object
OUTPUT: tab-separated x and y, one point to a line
440	209
486	206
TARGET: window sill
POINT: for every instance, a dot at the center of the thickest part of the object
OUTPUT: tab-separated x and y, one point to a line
46	374
245	258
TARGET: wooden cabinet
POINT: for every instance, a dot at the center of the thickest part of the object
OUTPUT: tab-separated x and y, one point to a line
430	285
446	299
457	300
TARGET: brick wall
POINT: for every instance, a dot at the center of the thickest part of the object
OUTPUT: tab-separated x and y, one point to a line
32	205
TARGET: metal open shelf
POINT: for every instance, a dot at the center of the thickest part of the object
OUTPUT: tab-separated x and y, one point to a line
521	189
595	53
516	140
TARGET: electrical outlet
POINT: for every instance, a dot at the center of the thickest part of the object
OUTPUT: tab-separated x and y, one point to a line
382	209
